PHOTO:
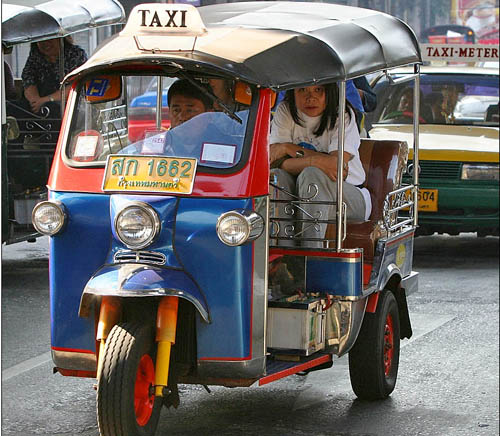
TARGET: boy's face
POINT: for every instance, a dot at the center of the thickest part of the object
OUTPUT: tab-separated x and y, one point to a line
183	108
310	100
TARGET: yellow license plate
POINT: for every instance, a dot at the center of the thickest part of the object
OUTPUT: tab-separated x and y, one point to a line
428	200
149	174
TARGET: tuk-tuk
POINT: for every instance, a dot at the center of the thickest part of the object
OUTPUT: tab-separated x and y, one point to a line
172	267
29	139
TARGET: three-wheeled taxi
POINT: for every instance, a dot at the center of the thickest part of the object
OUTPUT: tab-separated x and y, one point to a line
168	262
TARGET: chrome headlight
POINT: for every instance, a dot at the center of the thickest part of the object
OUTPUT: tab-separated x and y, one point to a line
239	226
480	171
137	225
48	217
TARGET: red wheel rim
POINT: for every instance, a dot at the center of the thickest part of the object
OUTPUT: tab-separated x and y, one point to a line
143	392
388	345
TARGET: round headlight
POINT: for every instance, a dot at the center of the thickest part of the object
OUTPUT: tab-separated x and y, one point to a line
48	217
137	225
237	227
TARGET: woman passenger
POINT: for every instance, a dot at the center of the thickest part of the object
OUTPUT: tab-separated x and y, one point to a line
303	151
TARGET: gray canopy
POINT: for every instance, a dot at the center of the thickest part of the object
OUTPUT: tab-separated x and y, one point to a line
56	18
279	45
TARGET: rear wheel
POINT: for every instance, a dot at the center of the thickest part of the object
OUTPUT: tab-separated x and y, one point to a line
126	404
374	358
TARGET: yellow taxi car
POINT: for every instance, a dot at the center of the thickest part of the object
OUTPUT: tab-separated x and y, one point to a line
459	148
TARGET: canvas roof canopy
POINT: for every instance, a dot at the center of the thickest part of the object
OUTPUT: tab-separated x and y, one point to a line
279	45
56	18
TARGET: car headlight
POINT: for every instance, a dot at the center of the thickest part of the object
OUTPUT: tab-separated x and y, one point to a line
137	225
480	171
48	217
239	226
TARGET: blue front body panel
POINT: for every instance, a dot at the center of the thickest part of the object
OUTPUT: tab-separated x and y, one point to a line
75	254
189	242
224	274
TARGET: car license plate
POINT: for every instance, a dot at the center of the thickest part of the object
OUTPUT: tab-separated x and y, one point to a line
149	174
428	200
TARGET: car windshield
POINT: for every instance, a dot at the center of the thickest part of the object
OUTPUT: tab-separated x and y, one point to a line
125	122
466	99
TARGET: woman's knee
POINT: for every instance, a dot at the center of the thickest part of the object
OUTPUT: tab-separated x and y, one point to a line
312	176
309	174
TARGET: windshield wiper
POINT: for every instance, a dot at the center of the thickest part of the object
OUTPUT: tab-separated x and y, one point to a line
226	109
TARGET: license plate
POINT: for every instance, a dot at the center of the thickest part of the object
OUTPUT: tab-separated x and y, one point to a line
428	200
172	175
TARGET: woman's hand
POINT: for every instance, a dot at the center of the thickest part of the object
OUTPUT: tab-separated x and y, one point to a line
280	149
34	99
328	164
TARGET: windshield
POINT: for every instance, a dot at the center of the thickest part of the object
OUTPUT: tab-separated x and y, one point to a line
464	99
124	121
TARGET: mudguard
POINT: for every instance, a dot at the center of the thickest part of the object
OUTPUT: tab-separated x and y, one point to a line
138	280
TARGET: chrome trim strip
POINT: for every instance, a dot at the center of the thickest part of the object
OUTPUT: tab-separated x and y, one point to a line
247	369
343	322
260	285
410	283
152	257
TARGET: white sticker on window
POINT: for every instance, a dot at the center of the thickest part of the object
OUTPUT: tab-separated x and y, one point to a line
223	153
153	142
85	146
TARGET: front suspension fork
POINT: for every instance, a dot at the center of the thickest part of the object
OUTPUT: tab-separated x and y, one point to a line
109	315
166	324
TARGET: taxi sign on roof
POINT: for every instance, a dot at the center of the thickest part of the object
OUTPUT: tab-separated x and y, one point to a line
459	52
160	18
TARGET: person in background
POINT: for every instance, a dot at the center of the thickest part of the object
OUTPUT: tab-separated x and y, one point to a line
363	99
42	76
303	151
368	97
222	89
10	87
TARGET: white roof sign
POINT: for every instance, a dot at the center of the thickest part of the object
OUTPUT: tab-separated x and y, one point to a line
459	52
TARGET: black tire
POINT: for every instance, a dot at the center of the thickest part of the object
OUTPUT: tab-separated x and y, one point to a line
374	358
129	347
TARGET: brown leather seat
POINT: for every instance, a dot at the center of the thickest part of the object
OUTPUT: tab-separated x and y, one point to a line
383	162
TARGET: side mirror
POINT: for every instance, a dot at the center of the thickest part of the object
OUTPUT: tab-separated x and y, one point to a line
103	88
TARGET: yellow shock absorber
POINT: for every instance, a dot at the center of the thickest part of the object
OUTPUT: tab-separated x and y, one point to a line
109	315
166	324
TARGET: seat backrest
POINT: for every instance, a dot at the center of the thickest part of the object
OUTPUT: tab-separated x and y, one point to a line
384	162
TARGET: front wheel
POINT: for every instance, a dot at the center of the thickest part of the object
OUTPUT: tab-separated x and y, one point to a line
126	404
374	358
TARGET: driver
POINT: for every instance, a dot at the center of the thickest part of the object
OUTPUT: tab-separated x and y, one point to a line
186	101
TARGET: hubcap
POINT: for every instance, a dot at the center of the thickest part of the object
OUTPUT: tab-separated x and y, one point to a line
143	394
388	345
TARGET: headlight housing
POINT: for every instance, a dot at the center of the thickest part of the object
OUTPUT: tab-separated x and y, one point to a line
48	217
137	225
239	226
480	171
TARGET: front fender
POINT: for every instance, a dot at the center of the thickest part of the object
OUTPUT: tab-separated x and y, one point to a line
139	280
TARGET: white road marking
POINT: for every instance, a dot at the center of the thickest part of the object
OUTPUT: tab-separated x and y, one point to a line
320	384
421	323
25	366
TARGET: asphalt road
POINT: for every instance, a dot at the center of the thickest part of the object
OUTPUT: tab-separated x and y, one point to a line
448	381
